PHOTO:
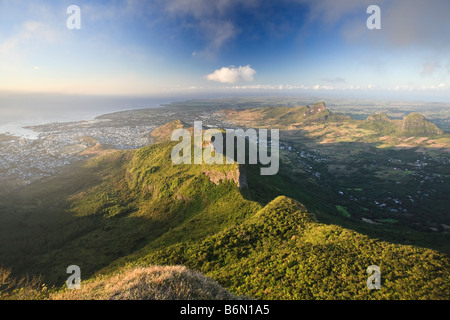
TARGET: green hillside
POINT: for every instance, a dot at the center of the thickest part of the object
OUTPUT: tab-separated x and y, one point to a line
164	132
414	124
318	124
284	117
282	252
110	206
136	209
379	123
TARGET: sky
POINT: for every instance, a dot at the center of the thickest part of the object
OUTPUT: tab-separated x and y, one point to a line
193	47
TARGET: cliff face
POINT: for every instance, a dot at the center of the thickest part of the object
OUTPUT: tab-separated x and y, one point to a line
237	175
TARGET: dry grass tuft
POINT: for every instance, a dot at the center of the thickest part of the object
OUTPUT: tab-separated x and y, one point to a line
25	288
149	283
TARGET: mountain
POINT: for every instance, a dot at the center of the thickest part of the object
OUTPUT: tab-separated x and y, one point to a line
164	132
380	123
317	124
283	252
118	215
108	207
283	117
303	117
414	124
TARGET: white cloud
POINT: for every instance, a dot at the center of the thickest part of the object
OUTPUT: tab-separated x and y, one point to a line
232	74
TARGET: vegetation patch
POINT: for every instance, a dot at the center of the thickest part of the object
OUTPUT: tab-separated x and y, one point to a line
343	211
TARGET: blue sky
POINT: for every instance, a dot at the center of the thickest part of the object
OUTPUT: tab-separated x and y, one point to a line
163	47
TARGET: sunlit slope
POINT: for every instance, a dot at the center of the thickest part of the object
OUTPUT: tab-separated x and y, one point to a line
414	124
113	205
151	283
318	123
283	117
282	252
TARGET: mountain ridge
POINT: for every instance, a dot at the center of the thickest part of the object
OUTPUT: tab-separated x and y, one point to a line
140	210
283	117
413	124
318	123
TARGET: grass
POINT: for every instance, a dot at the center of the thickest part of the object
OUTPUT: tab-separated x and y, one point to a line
282	252
344	211
149	283
111	206
24	288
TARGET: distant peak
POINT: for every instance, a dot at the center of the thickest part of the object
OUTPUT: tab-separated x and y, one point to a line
378	117
415	124
319	106
415	115
164	132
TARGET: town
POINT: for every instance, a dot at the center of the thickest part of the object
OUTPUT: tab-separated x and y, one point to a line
24	160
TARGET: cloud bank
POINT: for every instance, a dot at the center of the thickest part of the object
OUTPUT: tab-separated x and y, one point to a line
232	74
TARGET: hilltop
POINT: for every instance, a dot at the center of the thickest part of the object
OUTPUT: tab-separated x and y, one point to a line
283	252
283	117
164	132
414	124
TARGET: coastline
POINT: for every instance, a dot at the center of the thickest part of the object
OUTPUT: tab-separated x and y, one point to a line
26	128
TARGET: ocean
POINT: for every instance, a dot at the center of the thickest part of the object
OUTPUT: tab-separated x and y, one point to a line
20	110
